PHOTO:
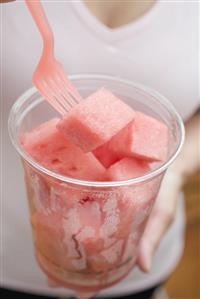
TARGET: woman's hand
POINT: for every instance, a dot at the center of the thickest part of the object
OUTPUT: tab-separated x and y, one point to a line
164	209
160	219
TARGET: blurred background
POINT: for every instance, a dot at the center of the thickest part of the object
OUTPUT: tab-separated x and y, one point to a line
184	283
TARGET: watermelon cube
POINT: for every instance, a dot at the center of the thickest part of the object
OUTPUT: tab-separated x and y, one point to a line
135	206
41	140
145	138
48	237
52	245
127	168
95	120
105	155
48	146
107	258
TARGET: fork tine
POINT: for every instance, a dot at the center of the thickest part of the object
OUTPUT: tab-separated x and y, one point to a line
70	86
50	98
54	103
77	101
66	104
65	91
68	90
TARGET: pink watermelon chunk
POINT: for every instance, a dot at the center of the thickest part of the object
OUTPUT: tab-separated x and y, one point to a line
127	168
95	120
48	146
134	206
105	155
52	244
48	235
90	217
145	138
41	140
107	258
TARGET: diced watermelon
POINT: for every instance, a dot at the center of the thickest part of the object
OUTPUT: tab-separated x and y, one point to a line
71	161
134	205
127	168
105	155
98	263
54	244
95	120
107	258
133	215
48	235
131	248
43	138
91	220
93	245
84	229
145	138
48	146
82	222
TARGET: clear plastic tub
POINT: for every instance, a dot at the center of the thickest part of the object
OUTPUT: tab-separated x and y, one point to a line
87	234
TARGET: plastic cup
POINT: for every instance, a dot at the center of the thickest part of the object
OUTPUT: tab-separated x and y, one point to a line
86	233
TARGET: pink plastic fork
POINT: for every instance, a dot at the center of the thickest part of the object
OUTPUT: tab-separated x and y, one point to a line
49	76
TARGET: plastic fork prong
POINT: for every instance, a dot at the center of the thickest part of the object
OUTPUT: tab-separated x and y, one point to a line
69	86
55	89
51	99
62	99
64	91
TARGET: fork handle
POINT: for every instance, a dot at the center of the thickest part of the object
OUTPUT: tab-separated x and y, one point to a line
39	16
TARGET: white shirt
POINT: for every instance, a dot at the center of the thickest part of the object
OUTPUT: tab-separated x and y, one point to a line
158	50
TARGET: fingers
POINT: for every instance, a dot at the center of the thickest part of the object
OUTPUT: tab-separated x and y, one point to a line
160	219
157	225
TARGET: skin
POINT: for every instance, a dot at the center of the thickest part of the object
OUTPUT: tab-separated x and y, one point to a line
116	13
113	14
5	1
164	210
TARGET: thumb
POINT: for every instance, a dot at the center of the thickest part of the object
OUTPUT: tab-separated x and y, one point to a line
157	225
161	217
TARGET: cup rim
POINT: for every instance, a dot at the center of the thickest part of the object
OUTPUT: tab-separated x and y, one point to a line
159	97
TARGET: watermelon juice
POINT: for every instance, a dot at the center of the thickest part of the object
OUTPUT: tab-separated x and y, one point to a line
89	178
